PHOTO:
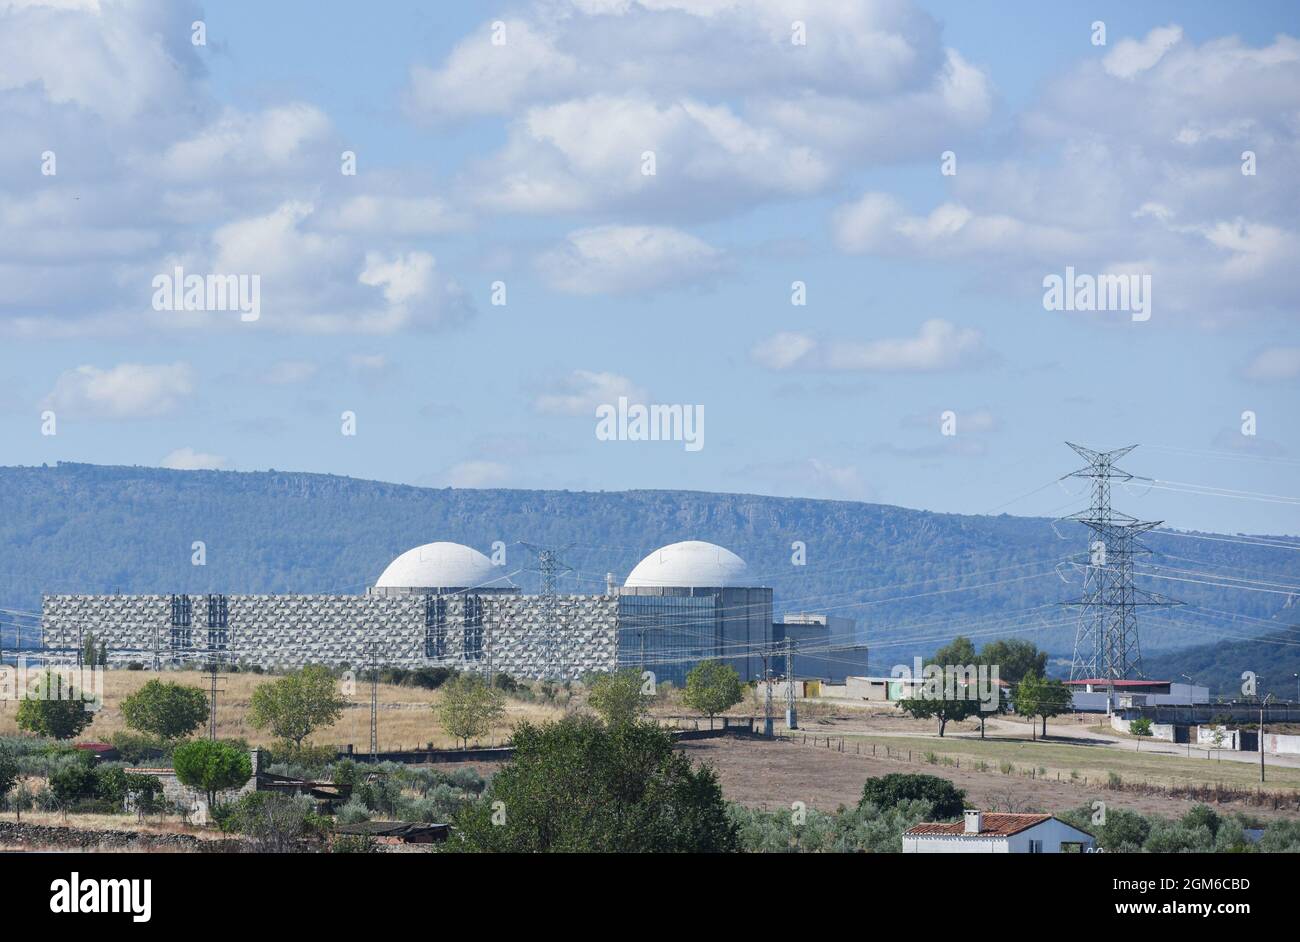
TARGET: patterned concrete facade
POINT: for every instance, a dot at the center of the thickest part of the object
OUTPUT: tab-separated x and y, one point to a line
287	631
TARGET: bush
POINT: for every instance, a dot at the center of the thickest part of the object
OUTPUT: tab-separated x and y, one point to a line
277	823
887	791
354	844
864	829
1123	830
354	812
580	786
136	748
73	782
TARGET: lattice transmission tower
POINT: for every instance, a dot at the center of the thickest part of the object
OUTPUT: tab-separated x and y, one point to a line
1106	644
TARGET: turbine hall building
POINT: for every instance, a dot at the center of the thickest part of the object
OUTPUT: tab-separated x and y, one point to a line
446	604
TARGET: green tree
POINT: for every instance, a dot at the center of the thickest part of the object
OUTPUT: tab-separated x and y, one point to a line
8	771
74	781
957	652
581	786
469	707
1141	728
1014	659
1039	697
713	687
297	704
167	710
55	709
618	697
211	766
943	709
886	791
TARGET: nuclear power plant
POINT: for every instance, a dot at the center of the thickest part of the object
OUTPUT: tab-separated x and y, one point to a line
446	604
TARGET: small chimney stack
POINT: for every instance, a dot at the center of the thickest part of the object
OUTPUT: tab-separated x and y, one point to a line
974	821
610	583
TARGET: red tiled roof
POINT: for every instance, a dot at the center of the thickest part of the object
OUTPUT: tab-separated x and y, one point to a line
994	825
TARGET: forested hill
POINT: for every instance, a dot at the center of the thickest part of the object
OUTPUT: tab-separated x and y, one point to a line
911	578
1275	660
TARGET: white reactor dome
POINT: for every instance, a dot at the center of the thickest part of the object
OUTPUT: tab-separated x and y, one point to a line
690	564
438	566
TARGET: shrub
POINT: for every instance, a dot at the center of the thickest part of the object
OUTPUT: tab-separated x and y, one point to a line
353	812
946	799
136	748
73	782
581	786
277	823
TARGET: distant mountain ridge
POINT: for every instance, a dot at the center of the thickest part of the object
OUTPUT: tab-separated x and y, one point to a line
911	578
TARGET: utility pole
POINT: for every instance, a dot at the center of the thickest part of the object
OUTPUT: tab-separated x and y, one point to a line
791	717
767	698
372	658
1262	704
214	675
1106	644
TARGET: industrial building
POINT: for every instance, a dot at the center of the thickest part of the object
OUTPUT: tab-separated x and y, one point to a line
1094	695
446	604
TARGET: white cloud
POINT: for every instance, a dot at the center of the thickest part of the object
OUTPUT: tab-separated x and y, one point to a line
939	345
878	223
1131	56
627	259
1154	185
182	178
582	391
734	112
126	391
239	142
477	474
1274	364
404	215
783	351
324	282
187	459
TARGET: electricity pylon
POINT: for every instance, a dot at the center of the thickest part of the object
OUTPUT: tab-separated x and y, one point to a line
1106	644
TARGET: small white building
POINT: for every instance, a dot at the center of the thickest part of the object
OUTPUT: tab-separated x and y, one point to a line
995	833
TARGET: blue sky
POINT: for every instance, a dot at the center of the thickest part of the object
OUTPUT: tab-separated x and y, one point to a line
775	163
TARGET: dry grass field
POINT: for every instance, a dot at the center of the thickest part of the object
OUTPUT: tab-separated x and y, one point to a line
773	774
405	716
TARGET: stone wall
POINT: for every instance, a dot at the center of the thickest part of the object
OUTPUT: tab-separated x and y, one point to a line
287	631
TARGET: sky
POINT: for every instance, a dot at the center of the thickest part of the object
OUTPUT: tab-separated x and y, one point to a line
650	187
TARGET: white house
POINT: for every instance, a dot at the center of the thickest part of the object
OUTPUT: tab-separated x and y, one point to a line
993	833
